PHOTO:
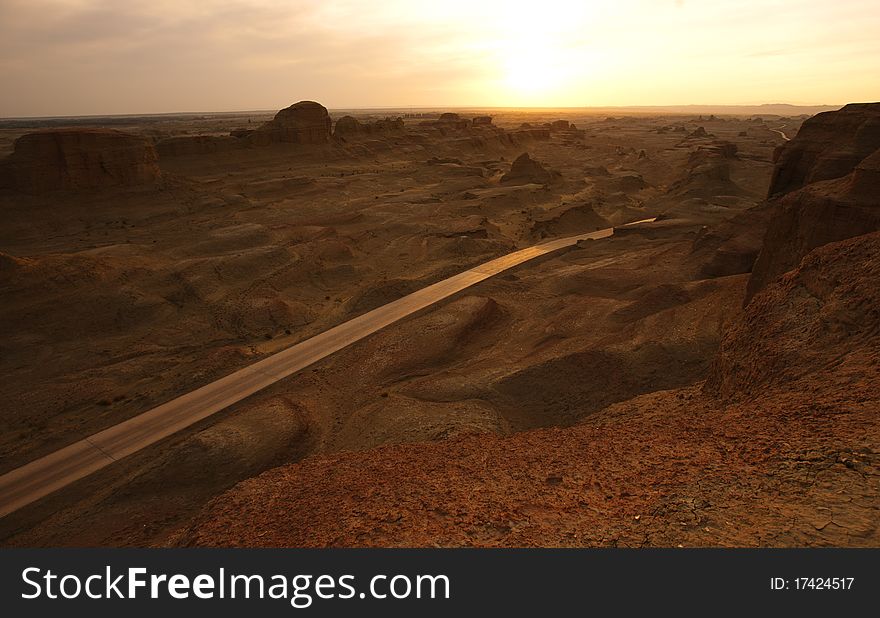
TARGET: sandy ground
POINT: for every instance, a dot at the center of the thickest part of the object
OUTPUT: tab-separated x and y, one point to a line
121	300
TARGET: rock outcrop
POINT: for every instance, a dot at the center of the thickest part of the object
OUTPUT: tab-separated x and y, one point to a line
707	174
809	209
825	311
526	170
305	122
79	159
828	145
349	126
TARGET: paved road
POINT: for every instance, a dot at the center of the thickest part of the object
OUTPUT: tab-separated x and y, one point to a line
56	470
781	133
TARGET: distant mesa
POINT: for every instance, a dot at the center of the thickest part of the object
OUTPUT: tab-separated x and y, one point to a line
79	159
825	189
560	125
482	121
698	132
349	126
829	145
449	117
526	170
305	122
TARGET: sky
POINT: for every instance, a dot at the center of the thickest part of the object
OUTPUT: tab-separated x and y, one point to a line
80	57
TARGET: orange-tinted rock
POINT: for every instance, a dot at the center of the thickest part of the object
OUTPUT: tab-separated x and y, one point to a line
822	211
77	159
526	170
826	310
816	215
347	126
829	145
305	122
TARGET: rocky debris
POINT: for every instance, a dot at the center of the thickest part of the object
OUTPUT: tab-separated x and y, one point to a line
305	122
79	159
822	211
825	310
526	170
698	132
829	145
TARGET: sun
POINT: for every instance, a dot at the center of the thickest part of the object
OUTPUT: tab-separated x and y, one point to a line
533	72
536	49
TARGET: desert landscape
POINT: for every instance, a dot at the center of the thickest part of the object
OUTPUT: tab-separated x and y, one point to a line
707	377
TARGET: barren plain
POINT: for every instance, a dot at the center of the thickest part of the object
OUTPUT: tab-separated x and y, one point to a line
563	403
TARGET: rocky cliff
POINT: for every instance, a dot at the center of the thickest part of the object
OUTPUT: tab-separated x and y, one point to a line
79	159
825	188
829	145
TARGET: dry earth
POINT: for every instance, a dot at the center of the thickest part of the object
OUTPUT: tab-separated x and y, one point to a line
121	297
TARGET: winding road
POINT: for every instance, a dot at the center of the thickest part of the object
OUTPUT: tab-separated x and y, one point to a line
43	476
781	134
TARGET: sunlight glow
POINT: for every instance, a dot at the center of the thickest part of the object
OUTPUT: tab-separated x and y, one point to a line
95	56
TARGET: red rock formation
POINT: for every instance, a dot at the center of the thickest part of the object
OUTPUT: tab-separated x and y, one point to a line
806	216
305	122
77	159
347	126
826	310
525	170
829	145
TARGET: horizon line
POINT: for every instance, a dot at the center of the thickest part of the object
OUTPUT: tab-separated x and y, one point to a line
421	107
